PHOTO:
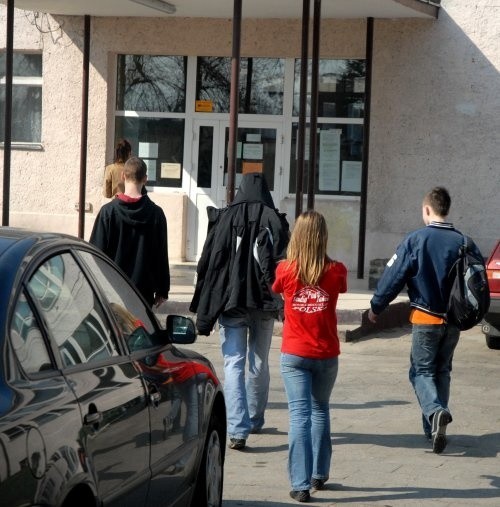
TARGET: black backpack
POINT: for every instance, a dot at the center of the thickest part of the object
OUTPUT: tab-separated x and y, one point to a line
470	294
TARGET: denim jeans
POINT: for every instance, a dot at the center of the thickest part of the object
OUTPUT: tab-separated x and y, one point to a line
249	335
430	367
308	385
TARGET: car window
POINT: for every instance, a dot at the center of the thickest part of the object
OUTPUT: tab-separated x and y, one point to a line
131	314
27	339
73	315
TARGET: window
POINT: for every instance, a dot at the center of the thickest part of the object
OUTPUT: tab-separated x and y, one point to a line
261	84
27	340
151	83
341	99
26	98
151	103
159	142
73	315
132	317
341	88
339	155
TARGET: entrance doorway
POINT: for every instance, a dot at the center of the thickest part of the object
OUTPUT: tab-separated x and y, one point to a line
259	149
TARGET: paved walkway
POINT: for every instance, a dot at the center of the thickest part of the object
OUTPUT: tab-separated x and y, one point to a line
380	455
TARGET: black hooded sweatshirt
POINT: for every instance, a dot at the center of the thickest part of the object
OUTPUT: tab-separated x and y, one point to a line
237	265
134	235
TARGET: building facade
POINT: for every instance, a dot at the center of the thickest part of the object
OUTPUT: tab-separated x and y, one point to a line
163	83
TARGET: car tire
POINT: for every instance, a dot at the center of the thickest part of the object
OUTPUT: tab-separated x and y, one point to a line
208	490
493	342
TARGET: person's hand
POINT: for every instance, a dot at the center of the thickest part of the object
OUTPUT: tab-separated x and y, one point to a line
159	300
372	317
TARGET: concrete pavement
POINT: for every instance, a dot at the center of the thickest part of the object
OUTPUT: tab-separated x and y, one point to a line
380	455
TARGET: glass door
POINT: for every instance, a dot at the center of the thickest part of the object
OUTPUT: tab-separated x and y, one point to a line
259	149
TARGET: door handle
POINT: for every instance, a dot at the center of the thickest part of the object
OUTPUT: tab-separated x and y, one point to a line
154	396
92	418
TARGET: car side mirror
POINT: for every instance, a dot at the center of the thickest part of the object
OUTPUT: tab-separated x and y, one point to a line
181	330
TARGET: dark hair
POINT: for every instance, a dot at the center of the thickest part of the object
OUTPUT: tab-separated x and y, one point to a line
135	169
439	200
122	151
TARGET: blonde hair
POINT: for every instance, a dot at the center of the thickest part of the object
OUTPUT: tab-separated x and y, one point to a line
307	247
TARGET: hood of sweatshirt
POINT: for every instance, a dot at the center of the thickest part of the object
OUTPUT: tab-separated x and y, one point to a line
136	213
253	188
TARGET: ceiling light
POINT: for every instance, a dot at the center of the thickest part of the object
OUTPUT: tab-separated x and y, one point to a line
158	5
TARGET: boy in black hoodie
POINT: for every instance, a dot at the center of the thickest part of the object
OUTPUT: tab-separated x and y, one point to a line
132	231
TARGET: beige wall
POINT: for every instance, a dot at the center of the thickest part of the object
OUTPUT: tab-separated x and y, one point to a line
434	119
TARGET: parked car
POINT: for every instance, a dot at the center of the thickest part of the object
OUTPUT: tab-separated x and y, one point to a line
491	321
97	404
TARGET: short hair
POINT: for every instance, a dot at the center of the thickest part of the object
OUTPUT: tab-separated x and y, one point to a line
122	151
135	169
439	200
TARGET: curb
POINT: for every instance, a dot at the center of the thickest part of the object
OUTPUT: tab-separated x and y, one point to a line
396	315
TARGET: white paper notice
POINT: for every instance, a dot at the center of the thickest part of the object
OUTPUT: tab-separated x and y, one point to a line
351	176
329	160
148	150
171	171
253	138
253	151
151	165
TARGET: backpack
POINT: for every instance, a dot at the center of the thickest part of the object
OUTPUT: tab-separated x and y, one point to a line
470	295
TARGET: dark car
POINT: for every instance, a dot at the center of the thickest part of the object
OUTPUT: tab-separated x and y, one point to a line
491	321
97	404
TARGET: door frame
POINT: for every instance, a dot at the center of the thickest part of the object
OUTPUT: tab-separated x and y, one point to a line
216	194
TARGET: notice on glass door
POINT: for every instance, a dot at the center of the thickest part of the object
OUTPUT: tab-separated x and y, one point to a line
351	176
329	160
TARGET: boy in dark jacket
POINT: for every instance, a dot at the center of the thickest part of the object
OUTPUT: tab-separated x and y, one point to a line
235	273
132	230
422	261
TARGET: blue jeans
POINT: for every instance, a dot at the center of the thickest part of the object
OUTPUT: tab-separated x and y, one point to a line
308	385
246	401
430	367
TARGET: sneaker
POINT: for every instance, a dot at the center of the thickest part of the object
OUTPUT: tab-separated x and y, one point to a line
318	483
440	420
237	443
301	496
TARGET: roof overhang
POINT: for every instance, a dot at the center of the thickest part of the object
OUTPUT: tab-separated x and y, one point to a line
224	8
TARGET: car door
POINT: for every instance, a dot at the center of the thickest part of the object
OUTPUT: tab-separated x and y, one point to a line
170	382
114	430
39	417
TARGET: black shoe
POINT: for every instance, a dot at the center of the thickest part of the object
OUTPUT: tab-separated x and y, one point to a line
440	420
318	483
237	443
301	496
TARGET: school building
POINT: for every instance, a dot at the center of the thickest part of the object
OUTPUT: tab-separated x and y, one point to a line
408	98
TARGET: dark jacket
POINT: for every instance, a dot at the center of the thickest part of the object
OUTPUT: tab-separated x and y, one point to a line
422	261
237	265
134	235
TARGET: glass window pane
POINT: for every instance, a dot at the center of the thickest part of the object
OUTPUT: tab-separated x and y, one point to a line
117	290
25	65
205	157
27	339
256	152
72	313
167	134
339	158
26	113
26	99
151	83
261	84
341	88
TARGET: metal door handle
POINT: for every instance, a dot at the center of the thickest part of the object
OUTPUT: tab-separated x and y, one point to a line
93	418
